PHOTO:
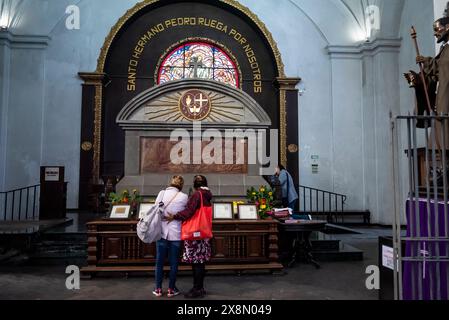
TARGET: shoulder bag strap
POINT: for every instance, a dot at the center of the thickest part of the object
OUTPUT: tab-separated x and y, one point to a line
172	200
201	196
161	203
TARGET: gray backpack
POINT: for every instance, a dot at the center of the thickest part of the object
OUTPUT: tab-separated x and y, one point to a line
149	228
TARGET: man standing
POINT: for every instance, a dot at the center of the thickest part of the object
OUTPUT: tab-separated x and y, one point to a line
289	195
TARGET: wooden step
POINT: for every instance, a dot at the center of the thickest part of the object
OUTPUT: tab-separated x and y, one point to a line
89	270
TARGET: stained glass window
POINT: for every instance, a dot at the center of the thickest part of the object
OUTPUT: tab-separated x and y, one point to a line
212	63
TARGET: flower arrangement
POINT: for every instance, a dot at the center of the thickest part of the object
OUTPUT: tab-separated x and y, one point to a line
263	198
133	199
235	206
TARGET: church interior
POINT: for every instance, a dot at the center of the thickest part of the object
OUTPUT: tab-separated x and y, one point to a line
319	125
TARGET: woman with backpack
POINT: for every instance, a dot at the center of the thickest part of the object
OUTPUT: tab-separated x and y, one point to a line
196	252
174	200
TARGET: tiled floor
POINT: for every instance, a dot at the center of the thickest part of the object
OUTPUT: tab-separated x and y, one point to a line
334	281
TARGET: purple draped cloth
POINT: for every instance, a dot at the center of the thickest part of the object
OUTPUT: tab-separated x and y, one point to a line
426	280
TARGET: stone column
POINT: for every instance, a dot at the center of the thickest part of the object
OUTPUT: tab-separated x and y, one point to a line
289	126
365	85
4	95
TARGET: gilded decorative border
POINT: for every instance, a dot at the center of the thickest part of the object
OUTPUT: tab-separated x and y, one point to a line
97	132
265	31
233	3
96	79
285	84
283	126
115	30
199	39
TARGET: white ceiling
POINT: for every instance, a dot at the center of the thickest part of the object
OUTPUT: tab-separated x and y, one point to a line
339	21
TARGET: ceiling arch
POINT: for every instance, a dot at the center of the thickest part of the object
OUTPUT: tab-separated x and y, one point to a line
337	21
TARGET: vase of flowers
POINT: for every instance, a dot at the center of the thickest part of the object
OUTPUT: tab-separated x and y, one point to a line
133	199
263	199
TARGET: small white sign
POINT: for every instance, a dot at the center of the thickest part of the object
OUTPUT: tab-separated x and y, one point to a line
51	174
144	208
387	257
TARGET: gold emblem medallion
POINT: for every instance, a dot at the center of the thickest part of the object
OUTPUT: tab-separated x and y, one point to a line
86	146
293	148
195	105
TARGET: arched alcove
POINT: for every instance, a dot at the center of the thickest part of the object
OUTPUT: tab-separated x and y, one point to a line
132	52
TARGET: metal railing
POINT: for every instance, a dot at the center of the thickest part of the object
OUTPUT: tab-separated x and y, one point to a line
423	268
20	204
314	200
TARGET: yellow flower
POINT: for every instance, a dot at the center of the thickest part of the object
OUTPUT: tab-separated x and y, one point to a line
263	207
270	193
254	193
262	189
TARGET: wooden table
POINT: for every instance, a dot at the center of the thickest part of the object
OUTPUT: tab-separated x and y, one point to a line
113	246
301	239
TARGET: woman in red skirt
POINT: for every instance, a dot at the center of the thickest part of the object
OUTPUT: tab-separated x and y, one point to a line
196	252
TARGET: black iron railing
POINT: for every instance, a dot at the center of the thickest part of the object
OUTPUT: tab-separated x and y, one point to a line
20	204
320	201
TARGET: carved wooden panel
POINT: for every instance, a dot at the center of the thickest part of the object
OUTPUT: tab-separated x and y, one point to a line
256	246
234	242
148	251
112	248
219	247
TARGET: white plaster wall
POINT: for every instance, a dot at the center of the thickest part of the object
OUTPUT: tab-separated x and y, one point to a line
70	52
4	90
347	130
369	139
302	45
25	113
387	105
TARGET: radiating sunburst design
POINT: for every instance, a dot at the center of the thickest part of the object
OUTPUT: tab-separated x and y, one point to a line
166	109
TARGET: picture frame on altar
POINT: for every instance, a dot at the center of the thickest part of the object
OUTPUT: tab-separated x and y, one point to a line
248	212
120	211
144	207
223	211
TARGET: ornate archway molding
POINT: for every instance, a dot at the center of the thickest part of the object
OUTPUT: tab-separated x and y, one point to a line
232	3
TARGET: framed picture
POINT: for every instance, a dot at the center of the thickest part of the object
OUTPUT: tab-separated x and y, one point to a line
120	212
144	208
248	212
223	211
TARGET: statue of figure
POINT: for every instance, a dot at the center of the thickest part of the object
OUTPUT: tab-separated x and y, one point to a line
436	74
